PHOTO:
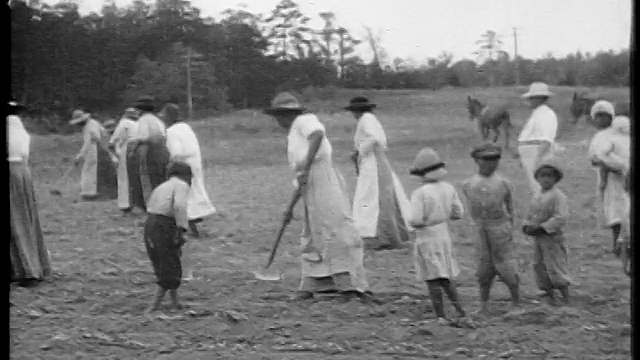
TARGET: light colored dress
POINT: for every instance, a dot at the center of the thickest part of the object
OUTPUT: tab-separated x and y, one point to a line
183	146
98	176
541	126
126	129
613	149
329	227
380	207
432	206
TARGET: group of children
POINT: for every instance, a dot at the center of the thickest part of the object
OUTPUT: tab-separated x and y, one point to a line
490	202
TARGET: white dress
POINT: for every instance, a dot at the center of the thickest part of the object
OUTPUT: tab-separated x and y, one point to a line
183	146
371	144
613	149
433	205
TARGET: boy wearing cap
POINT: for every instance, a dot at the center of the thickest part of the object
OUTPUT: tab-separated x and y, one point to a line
490	202
547	215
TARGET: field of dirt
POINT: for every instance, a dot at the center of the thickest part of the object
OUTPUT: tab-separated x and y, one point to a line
93	307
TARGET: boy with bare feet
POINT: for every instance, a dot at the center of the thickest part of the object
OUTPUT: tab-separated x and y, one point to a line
164	232
490	204
547	215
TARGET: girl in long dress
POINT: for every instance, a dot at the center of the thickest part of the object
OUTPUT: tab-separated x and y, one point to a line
98	179
183	146
29	256
332	250
126	129
380	207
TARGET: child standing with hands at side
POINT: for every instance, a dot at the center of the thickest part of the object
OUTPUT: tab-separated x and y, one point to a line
490	202
164	231
432	206
547	216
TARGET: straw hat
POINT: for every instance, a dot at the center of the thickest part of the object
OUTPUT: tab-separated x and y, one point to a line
548	165
284	102
428	165
360	103
537	89
602	106
79	117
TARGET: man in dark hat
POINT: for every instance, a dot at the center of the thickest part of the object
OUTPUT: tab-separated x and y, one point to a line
490	203
148	153
380	206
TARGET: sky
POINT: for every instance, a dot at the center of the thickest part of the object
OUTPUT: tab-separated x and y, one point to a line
419	29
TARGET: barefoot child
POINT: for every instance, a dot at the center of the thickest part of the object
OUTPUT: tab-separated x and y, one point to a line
163	232
547	215
433	205
490	202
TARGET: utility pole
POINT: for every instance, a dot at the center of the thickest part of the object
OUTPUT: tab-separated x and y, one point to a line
515	51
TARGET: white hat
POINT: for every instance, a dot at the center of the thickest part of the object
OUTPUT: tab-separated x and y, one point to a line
428	165
602	106
537	89
78	117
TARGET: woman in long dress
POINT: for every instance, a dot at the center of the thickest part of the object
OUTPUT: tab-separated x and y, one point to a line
147	154
126	129
609	152
380	207
183	146
98	179
332	250
29	256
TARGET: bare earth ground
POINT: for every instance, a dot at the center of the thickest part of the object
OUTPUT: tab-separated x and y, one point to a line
93	308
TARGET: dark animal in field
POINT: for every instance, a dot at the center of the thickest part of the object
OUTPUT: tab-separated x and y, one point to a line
582	103
490	118
581	106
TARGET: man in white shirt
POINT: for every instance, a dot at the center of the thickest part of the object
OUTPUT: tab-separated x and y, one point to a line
536	141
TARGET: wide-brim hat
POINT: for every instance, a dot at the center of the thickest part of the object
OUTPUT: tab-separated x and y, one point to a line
284	102
603	106
360	103
130	113
556	170
537	89
79	117
145	103
428	165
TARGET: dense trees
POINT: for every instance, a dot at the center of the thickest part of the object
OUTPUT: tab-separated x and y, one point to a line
62	60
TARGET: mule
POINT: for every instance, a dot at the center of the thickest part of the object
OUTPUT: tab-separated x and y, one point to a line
490	118
581	106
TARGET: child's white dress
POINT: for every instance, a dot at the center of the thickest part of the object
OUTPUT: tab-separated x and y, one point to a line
432	206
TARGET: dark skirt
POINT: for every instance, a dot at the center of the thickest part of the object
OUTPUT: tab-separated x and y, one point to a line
29	256
146	169
161	238
107	176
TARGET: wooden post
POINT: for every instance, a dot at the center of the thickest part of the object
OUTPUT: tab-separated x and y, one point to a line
516	61
189	97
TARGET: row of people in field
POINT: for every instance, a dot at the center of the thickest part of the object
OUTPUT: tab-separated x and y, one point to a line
133	161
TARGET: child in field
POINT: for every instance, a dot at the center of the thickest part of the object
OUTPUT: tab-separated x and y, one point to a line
547	215
164	230
618	152
490	202
432	206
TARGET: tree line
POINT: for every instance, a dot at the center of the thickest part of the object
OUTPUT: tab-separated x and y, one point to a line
61	60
